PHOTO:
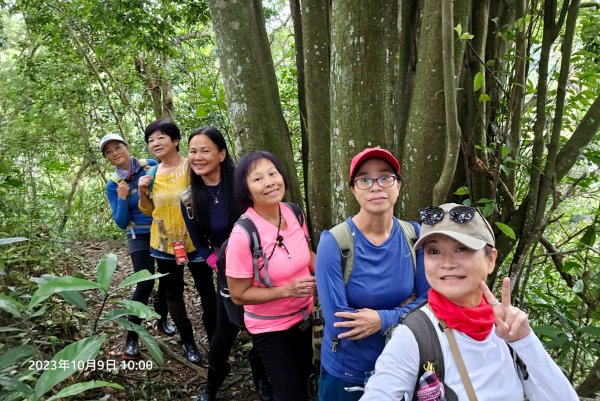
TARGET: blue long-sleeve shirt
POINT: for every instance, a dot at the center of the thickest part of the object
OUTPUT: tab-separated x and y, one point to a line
382	278
125	211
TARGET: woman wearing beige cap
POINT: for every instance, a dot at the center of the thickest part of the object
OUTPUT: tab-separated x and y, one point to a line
364	295
472	327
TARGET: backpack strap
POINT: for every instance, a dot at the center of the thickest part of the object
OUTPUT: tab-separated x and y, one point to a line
430	350
297	212
342	233
257	251
410	235
152	173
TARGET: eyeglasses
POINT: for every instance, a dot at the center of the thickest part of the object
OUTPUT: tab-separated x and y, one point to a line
458	214
115	149
385	181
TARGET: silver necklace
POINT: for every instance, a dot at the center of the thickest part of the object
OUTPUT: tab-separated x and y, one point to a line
215	197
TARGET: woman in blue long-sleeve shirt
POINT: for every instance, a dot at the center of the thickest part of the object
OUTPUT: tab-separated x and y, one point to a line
383	284
121	190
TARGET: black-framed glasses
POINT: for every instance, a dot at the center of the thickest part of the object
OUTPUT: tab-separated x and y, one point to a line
385	181
458	214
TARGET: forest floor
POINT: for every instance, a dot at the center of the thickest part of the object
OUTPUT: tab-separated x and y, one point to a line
176	379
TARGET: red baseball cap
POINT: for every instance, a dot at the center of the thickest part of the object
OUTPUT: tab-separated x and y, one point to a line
374	153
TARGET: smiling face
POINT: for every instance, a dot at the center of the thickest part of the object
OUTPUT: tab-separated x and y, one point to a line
455	271
205	158
265	184
162	145
117	153
376	199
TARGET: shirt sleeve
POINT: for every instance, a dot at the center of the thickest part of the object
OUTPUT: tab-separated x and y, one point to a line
330	282
394	316
119	207
238	255
546	381
396	369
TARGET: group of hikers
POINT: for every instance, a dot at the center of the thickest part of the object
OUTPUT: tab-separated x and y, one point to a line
407	314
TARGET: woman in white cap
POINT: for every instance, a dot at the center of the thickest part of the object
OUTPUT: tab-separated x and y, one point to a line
385	282
473	328
121	190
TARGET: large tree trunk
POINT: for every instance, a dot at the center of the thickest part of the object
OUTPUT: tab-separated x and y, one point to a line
315	30
424	150
364	83
250	86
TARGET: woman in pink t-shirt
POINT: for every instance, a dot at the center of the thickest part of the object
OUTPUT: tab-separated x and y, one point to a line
278	316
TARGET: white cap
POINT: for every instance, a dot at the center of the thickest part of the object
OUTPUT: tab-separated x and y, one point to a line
110	137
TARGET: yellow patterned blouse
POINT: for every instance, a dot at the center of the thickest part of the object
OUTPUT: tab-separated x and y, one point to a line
167	223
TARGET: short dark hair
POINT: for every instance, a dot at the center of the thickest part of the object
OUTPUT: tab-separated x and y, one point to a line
200	196
241	192
166	126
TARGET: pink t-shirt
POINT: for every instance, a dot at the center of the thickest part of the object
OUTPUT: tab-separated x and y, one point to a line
283	268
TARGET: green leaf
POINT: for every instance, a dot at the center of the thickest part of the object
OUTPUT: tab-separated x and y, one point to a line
139	309
13	355
578	286
591	330
484	97
74	298
6	241
458	29
568	266
137	277
60	284
589	236
550	331
147	339
10	305
82	350
79	388
462	191
12	384
506	230
477	81
106	269
116	313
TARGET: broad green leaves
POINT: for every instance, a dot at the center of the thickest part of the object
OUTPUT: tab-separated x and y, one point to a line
67	361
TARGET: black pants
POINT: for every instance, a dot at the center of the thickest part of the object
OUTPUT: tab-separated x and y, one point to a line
220	348
203	281
141	260
287	356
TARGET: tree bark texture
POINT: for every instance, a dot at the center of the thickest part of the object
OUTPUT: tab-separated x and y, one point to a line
251	91
364	83
315	30
425	146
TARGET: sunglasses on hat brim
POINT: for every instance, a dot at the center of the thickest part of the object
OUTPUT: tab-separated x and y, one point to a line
459	214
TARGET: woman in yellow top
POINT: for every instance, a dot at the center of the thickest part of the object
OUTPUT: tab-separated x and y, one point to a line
160	193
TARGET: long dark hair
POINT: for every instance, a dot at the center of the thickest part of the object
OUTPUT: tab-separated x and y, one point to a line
200	195
241	193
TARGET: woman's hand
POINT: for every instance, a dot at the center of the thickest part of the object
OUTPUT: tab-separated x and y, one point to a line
144	184
301	288
123	190
361	323
511	322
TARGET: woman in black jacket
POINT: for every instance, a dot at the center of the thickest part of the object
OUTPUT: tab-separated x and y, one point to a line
209	214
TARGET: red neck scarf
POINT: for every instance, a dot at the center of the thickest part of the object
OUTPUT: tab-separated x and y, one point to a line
475	322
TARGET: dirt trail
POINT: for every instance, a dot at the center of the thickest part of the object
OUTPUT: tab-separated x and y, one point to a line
175	379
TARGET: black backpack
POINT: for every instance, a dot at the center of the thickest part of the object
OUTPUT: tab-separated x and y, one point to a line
236	312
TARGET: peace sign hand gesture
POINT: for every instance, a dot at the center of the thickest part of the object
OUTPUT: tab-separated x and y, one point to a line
511	322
